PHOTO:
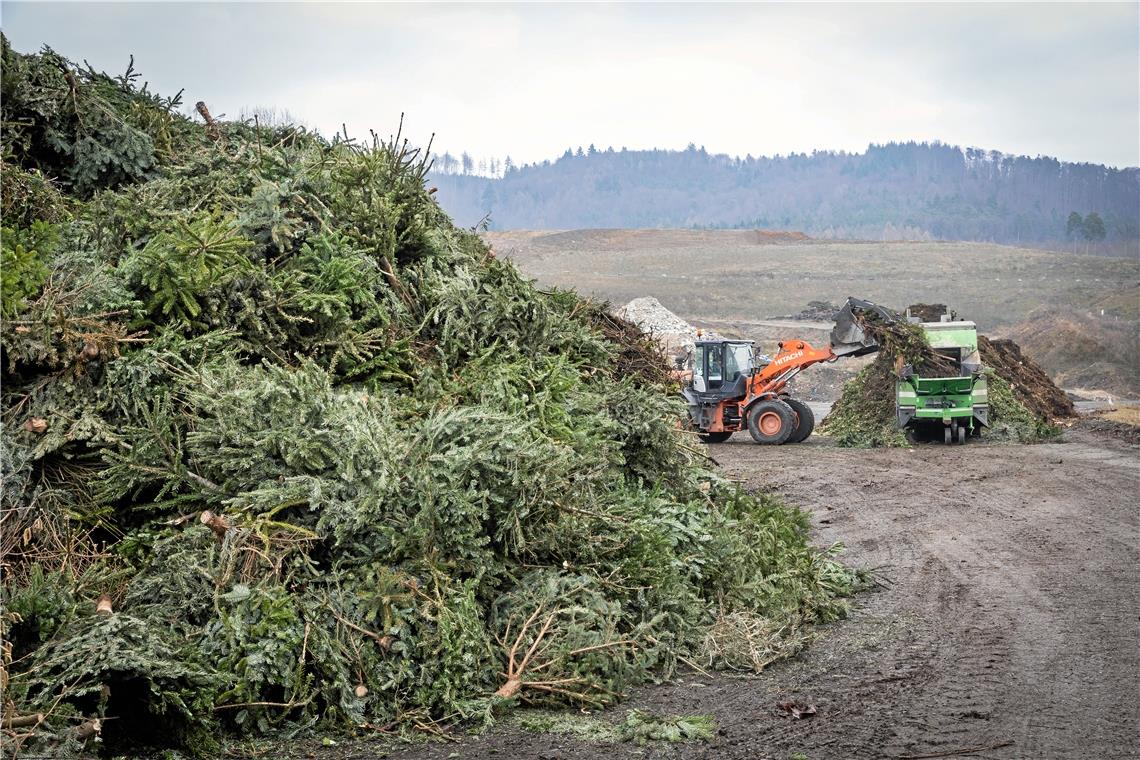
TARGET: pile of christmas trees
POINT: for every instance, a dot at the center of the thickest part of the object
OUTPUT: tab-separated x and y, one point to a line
283	449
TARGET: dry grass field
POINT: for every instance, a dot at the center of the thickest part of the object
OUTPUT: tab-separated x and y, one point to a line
731	279
1129	414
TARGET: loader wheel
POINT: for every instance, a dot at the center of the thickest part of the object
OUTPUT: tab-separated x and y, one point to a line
771	422
962	430
947	435
805	420
717	437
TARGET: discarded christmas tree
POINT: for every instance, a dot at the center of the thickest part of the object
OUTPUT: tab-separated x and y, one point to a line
284	447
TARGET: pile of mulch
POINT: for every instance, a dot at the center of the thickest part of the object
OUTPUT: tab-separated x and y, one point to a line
817	311
1031	385
927	312
637	355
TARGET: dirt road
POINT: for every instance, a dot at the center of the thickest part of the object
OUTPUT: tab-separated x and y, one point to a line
1011	621
1014	614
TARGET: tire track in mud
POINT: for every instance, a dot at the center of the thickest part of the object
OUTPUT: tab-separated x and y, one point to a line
1020	563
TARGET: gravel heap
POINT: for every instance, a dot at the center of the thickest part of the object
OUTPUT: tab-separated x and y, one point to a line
651	316
675	335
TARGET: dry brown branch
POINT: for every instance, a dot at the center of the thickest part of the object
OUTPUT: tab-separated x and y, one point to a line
282	705
394	281
204	482
384	641
588	513
607	645
23	721
695	666
431	728
517	669
41	535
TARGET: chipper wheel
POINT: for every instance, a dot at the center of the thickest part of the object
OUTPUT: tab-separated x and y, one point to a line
805	420
718	437
771	422
954	432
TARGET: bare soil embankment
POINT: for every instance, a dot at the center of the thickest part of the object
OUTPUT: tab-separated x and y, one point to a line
1084	348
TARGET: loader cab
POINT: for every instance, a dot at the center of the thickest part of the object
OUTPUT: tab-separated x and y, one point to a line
722	367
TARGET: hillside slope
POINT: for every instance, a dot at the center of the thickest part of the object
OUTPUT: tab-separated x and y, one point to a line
893	191
1082	349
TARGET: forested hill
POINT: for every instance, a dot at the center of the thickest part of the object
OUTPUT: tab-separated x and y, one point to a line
894	190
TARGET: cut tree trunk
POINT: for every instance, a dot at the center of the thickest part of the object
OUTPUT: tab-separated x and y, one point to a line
217	523
509	689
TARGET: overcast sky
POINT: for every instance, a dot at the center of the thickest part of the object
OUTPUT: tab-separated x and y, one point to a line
531	80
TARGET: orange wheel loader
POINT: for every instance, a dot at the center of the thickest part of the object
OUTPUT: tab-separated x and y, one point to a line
729	388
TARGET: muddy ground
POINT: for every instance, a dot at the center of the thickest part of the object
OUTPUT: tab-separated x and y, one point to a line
1009	624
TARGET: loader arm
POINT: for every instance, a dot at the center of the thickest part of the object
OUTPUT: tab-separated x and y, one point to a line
848	338
793	357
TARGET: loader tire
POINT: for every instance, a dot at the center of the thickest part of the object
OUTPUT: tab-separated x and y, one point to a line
718	437
771	422
805	420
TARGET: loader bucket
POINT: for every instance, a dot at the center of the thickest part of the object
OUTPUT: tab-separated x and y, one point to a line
848	338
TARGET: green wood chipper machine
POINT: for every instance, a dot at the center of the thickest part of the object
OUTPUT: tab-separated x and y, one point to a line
957	405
